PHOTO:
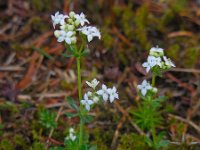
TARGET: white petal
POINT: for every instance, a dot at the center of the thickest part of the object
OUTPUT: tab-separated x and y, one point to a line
90	102
109	91
105	97
145	64
100	92
87	107
148	69
60	39
83	102
57	13
114	89
172	64
112	98
69	34
89	84
116	95
143	91
85	96
139	87
68	40
90	37
104	87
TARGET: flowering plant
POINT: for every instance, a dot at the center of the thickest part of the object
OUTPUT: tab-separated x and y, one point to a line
148	115
75	34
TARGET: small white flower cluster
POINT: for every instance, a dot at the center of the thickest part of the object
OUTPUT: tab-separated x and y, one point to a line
156	58
71	135
104	94
145	87
70	25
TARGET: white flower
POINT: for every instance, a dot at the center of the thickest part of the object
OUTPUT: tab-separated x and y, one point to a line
93	83
147	65
112	94
144	87
81	19
168	62
65	36
58	19
71	135
151	62
103	92
154	61
90	32
86	102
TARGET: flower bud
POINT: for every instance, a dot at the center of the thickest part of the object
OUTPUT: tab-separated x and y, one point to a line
96	99
57	33
155	90
77	22
155	54
71	14
70	27
63	27
89	94
74	40
70	21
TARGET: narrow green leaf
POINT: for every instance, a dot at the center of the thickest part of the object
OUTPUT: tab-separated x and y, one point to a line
67	55
71	115
85	52
42	52
72	104
87	119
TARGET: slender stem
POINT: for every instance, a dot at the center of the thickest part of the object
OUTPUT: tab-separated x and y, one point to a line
153	131
153	80
78	60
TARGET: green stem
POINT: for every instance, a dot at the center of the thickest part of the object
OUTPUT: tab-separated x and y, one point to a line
78	60
153	80
153	132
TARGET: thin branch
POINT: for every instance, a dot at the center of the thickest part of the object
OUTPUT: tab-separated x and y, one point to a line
192	124
52	129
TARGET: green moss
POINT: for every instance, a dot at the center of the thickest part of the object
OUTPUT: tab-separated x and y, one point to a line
6	145
178	5
122	58
192	54
1	129
20	142
167	17
127	21
173	51
141	19
107	39
39	5
9	106
100	139
38	146
132	142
